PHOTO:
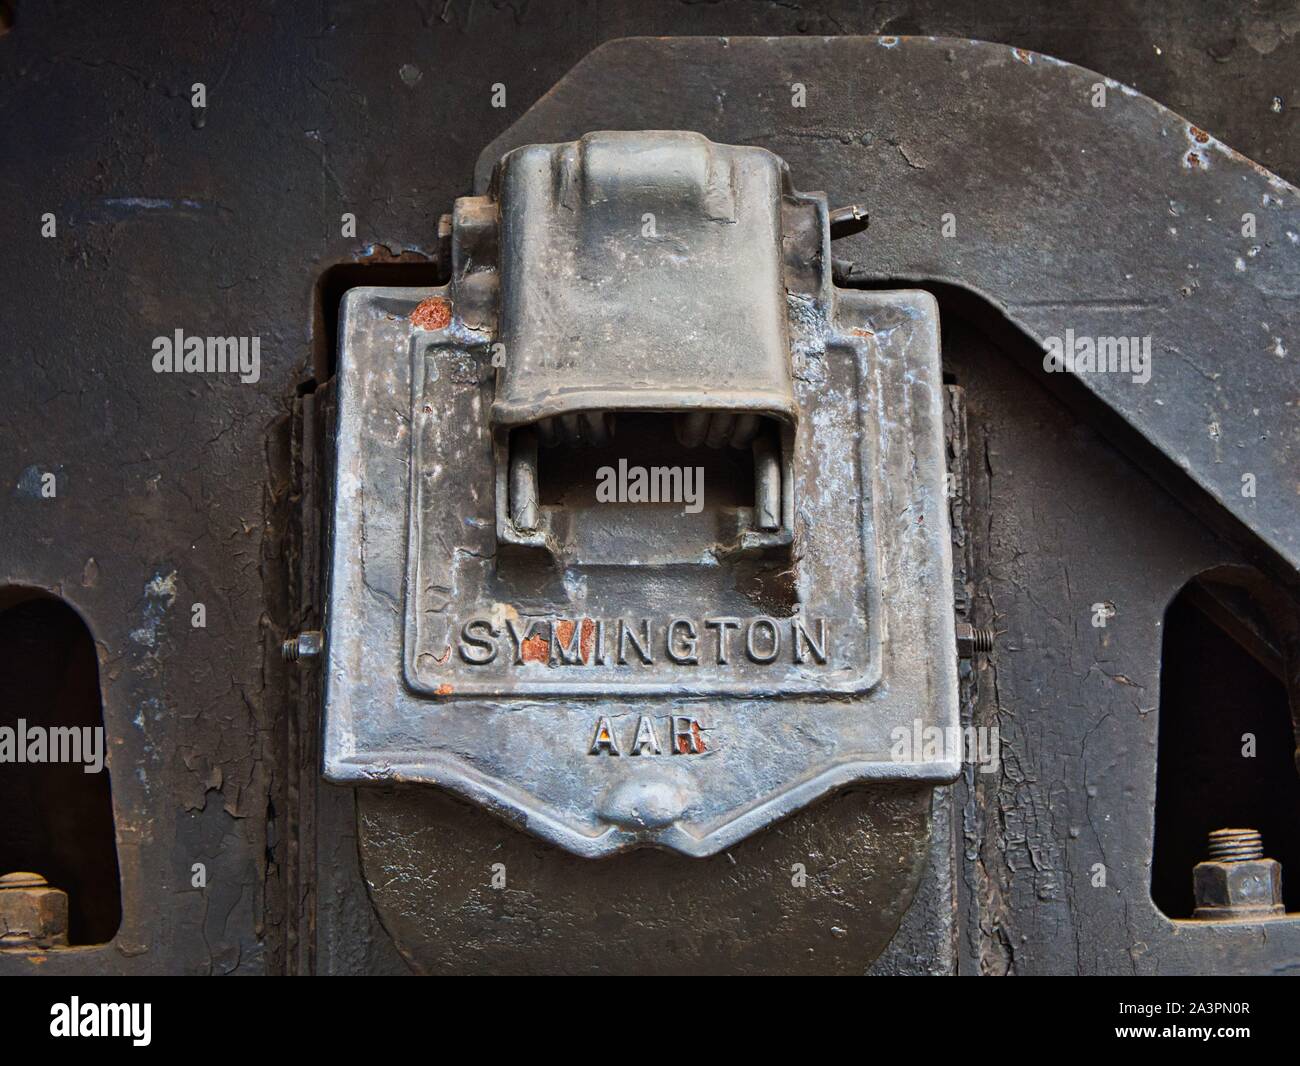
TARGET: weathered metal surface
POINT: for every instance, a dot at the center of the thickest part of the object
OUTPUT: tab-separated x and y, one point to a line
1237	882
1033	830
1117	221
165	221
644	272
1063	520
822	892
764	677
33	916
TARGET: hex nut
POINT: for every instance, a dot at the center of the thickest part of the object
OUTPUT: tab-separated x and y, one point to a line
306	645
32	914
1237	890
972	639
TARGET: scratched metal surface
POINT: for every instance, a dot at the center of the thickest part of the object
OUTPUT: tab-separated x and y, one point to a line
507	741
429	860
1060	518
1013	177
170	219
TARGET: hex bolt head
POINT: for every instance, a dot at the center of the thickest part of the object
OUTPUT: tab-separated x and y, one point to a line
972	639
32	914
306	645
1237	883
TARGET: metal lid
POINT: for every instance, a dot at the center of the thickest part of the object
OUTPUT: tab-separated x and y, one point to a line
643	271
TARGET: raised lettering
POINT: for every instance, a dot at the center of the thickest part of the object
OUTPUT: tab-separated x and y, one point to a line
603	742
773	641
478	650
682	650
802	637
722	625
570	655
646	742
687	736
642	646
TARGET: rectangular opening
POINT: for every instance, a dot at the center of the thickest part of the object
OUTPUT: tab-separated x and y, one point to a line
646	487
406	270
571	474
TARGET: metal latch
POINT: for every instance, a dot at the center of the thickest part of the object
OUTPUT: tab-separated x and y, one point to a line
642	274
640	532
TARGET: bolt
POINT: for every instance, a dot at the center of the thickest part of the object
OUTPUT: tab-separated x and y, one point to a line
1236	845
972	639
1237	882
306	645
32	914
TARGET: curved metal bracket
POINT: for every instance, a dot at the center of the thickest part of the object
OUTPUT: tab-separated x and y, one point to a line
1087	211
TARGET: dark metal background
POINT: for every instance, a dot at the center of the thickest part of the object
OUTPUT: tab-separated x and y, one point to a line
224	222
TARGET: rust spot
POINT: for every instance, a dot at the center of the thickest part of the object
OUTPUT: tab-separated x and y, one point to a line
537	649
1198	135
433	313
684	742
443	690
860	332
1022	55
586	642
1192	159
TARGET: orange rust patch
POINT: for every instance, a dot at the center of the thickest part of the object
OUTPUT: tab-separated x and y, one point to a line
586	642
684	742
433	313
859	332
1193	160
443	690
1199	136
536	649
1022	55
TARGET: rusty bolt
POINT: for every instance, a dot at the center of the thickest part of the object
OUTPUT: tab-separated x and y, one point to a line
1237	882
32	914
306	645
972	639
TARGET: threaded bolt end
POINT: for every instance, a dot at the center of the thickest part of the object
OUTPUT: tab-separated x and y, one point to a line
973	639
1236	845
306	645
